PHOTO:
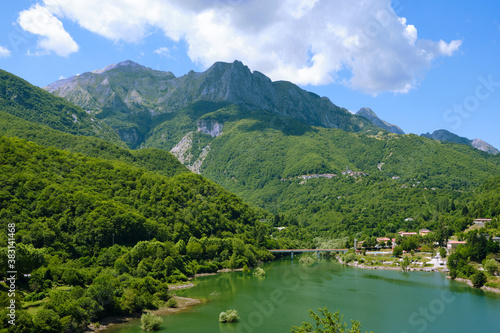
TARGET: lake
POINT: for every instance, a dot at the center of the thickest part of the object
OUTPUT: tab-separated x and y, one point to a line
383	301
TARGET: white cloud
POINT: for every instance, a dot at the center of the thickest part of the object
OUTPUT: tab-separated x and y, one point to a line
162	51
4	52
303	41
449	49
40	21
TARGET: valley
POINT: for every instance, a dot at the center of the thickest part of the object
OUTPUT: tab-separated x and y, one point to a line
148	179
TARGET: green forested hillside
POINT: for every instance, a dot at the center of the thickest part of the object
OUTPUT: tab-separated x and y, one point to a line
31	103
73	203
111	234
157	160
487	199
266	160
112	226
257	138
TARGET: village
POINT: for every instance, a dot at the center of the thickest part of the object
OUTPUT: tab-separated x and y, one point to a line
422	252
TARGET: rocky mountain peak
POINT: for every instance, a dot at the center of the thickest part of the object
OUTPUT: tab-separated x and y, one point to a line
484	146
124	65
366	112
372	116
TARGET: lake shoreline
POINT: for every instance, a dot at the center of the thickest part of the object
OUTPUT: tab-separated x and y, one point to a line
391	268
184	303
466	281
469	283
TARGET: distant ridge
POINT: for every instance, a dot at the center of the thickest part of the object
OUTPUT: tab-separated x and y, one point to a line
444	135
371	116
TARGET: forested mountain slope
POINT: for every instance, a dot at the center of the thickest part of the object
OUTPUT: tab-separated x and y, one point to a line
31	103
157	160
73	203
288	167
95	238
270	143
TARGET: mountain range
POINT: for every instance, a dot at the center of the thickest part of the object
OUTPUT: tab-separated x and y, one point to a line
274	144
133	99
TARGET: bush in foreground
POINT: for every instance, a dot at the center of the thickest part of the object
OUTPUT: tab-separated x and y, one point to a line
331	323
150	322
229	316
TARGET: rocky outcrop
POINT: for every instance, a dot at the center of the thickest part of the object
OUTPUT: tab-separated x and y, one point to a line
196	166
210	127
484	146
182	149
183	152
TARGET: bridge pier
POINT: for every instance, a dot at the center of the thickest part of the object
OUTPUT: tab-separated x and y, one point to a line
292	254
317	253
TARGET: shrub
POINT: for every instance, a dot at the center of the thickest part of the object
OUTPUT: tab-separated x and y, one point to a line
348	256
478	279
229	316
150	322
453	274
425	248
491	266
47	321
259	272
398	251
34	296
172	303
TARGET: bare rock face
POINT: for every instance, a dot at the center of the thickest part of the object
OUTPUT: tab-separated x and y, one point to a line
210	127
484	146
182	149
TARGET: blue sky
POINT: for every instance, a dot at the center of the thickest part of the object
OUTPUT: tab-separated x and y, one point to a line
420	64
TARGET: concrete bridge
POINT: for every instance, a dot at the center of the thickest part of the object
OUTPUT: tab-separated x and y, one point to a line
308	250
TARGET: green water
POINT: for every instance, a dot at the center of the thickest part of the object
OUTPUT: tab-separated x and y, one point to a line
383	301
